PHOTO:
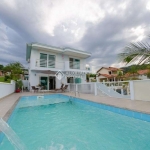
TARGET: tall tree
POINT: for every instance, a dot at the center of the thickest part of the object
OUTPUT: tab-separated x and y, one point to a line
1	67
15	68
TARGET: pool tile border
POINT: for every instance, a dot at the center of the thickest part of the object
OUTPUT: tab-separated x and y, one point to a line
122	111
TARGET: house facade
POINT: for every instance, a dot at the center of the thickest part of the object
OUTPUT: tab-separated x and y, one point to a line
109	74
51	66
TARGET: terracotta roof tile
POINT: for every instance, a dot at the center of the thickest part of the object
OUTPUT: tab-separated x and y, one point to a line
142	72
110	68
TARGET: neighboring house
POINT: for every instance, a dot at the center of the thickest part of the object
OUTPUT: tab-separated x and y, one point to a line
141	74
1	73
45	61
109	74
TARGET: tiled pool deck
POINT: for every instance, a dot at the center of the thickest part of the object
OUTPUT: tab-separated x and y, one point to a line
8	103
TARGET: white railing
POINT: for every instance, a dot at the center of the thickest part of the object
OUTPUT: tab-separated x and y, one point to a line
78	65
61	65
119	89
49	64
87	88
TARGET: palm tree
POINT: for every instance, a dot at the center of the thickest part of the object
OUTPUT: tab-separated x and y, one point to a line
136	53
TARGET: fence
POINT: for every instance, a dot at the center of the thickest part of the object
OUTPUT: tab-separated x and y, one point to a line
88	88
6	88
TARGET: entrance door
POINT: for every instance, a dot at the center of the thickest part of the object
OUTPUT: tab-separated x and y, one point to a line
52	83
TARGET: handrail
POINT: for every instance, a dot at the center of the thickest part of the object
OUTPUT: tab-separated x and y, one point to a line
110	92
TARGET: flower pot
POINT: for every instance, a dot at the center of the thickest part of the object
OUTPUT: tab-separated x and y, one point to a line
18	91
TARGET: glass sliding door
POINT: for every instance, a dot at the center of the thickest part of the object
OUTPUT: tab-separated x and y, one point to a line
43	60
51	61
44	82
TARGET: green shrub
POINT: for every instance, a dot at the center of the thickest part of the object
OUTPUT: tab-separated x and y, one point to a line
19	84
93	80
6	78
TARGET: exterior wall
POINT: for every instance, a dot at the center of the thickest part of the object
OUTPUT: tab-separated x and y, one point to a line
141	90
25	83
59	59
104	71
7	88
142	77
1	74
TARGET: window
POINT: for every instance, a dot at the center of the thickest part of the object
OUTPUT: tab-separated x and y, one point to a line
74	63
47	60
109	72
70	80
51	61
77	80
43	60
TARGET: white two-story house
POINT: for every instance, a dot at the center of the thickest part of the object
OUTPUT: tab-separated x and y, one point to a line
45	62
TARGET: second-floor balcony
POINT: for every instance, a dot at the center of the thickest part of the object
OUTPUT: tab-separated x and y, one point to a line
64	65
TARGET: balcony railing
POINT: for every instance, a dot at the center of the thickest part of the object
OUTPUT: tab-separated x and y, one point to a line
60	65
49	64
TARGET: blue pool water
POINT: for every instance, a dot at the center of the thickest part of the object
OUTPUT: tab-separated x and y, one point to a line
46	124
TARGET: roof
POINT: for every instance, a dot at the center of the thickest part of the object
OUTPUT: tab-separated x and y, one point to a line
142	72
110	68
65	50
130	75
139	72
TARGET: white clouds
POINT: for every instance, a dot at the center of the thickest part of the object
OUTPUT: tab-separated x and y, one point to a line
123	5
47	15
75	13
138	32
148	6
102	27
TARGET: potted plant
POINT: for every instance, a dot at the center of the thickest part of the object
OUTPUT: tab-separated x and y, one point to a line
19	85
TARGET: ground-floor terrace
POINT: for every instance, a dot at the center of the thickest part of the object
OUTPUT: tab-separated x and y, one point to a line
51	80
8	103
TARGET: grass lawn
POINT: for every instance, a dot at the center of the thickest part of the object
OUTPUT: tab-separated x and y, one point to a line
2	80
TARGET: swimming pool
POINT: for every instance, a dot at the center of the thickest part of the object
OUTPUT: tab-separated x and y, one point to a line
54	122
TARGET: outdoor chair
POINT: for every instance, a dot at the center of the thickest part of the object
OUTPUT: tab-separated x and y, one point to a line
34	89
42	89
60	88
64	88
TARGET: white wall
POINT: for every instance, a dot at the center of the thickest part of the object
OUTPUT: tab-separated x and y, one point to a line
59	62
25	83
142	77
6	88
141	90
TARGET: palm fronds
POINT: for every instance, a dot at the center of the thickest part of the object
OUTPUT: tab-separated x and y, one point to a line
138	53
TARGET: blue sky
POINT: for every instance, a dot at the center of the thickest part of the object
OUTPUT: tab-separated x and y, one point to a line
97	26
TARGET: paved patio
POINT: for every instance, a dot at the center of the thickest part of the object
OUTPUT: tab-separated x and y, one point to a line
8	103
